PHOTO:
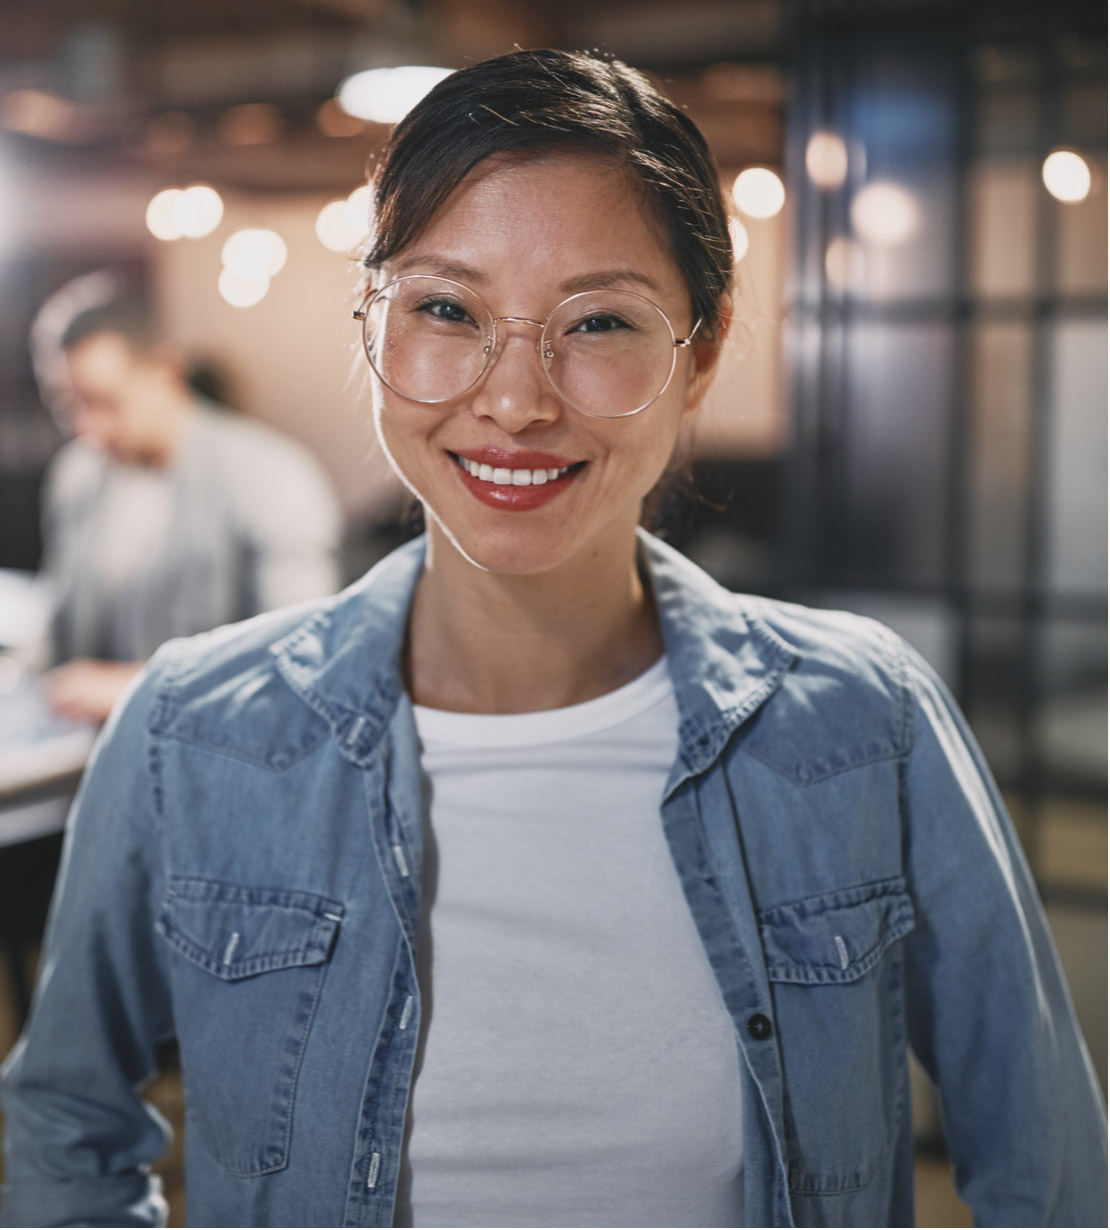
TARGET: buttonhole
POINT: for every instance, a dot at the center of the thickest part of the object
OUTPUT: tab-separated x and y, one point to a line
406	1013
356	730
232	944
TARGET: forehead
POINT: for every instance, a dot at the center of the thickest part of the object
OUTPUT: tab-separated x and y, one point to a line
101	357
554	217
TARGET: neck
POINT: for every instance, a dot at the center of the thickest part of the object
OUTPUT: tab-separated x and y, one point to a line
162	445
481	642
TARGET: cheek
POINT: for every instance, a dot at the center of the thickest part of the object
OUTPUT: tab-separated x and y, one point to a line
403	431
656	443
385	419
391	424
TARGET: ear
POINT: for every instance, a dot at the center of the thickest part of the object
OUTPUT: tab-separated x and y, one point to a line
705	354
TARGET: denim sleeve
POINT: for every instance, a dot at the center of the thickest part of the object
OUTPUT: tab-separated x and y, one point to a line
79	1139
990	1016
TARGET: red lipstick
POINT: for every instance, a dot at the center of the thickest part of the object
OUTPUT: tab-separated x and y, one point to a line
496	476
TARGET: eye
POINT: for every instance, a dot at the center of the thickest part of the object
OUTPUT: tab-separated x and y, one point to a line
599	322
446	310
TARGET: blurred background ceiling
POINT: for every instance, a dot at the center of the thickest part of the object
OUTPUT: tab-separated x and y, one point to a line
240	92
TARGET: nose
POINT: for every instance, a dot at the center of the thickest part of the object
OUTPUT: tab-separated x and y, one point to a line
515	392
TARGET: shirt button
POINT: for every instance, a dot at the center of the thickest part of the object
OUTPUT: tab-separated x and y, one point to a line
759	1027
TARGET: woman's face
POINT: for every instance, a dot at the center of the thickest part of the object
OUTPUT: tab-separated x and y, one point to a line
525	234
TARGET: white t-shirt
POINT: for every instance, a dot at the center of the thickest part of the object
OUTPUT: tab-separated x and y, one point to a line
577	1065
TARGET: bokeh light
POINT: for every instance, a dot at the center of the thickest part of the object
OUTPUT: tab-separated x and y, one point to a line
242	292
884	213
1066	175
334	227
39	114
738	233
387	95
826	160
758	192
254	253
197	211
161	214
844	263
358	209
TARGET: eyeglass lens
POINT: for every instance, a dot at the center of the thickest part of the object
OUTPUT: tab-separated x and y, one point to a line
607	352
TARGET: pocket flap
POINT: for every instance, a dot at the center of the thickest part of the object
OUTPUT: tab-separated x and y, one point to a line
235	932
836	937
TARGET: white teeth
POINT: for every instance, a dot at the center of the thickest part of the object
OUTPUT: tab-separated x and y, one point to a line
504	477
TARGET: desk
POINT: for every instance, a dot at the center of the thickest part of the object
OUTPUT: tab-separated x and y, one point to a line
42	758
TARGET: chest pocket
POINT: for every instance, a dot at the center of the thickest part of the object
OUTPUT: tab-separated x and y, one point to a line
836	976
250	968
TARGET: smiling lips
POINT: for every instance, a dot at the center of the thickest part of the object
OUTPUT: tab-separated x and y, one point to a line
515	481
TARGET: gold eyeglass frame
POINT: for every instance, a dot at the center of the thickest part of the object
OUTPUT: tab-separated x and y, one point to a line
495	344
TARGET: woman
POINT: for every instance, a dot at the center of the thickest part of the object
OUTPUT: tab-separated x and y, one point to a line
535	880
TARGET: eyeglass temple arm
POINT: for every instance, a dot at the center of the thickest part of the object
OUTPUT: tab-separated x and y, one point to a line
680	341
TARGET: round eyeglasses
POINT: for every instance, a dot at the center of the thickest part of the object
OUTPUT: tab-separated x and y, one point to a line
607	353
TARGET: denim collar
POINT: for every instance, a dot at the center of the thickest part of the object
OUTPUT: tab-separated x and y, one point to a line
724	660
344	661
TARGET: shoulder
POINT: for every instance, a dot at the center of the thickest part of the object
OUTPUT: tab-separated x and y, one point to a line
817	691
74	469
222	691
835	645
268	690
844	701
811	646
245	439
266	474
847	698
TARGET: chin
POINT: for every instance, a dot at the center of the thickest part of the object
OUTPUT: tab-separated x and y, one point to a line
514	549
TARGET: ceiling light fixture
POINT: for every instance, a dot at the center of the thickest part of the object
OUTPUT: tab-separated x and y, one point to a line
758	192
1067	176
387	95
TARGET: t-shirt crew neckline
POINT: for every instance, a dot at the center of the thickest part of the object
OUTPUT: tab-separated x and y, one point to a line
579	721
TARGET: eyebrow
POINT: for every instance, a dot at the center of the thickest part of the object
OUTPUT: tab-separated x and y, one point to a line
441	267
608	279
597	279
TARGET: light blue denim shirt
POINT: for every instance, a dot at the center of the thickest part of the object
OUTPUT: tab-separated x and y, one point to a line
243	872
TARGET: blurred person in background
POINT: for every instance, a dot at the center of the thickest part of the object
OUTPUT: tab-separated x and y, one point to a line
535	879
165	515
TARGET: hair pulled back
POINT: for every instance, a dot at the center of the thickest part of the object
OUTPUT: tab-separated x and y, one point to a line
534	102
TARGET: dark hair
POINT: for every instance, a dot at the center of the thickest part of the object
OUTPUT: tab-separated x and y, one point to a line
535	102
103	301
125	313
